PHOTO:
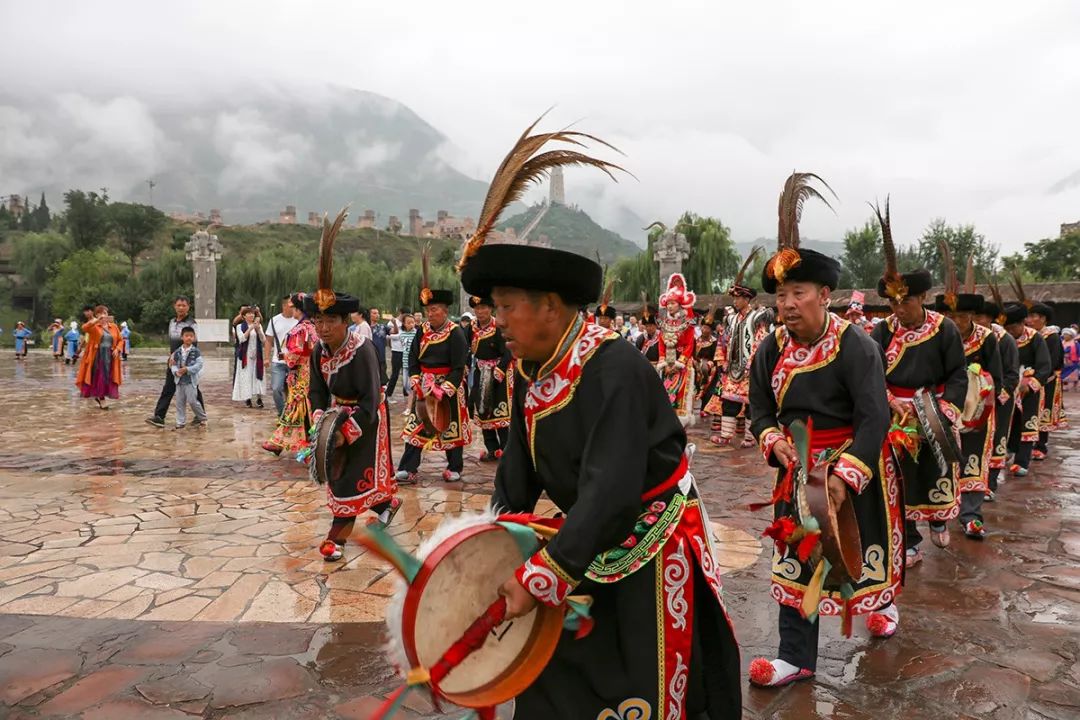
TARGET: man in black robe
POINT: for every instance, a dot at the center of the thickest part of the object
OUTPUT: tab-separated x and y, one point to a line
825	371
493	380
438	359
976	435
921	349
1034	372
992	317
345	376
634	537
1050	411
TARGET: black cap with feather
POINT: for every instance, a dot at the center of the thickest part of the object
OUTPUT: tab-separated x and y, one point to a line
427	295
791	263
893	284
326	300
575	278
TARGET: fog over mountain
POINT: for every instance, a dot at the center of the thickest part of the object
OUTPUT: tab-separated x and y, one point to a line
965	111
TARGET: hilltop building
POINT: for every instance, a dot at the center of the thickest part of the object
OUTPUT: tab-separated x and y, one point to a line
288	215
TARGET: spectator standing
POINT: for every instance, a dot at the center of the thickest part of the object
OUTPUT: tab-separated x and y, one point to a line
125	340
71	344
22	339
276	333
248	378
183	319
360	323
408	335
379	333
187	364
56	337
396	357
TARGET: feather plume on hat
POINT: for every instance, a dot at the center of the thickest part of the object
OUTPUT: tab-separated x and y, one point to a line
754	252
1018	287
324	292
951	289
895	287
797	190
995	291
521	167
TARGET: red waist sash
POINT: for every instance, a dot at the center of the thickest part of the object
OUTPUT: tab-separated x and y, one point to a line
833	438
435	370
908	393
670	484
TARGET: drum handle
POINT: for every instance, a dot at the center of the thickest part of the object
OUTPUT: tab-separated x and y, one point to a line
470	641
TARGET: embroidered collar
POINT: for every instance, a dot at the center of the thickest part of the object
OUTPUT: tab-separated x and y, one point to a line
552	388
796	357
903	337
1026	338
428	336
975	340
561	351
482	333
330	363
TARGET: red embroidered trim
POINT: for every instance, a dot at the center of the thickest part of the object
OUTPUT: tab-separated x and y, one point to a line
976	340
849	469
480	333
903	338
329	365
434	337
545	579
796	358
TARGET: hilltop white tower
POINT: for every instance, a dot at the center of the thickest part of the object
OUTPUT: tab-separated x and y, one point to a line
558	190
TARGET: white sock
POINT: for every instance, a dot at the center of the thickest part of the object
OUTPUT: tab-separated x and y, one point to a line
892	612
783	668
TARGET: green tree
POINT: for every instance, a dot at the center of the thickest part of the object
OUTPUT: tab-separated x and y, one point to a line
863	260
1050	258
135	226
963	241
711	265
92	276
87	218
41	217
35	257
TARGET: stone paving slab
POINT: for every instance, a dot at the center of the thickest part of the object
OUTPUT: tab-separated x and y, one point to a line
160	574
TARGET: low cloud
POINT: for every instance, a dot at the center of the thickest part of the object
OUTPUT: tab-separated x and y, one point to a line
257	157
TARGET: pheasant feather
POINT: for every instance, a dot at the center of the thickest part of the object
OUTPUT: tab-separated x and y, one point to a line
521	167
324	291
895	287
797	190
969	276
950	275
754	252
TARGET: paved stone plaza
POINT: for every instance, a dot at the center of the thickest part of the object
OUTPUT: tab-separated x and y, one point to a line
150	573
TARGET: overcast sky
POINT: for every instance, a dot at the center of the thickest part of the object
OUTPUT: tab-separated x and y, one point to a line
964	110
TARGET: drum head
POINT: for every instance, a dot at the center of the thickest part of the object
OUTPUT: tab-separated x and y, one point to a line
434	414
841	540
455	586
328	460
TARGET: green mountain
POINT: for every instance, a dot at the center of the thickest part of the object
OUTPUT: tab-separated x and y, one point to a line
569	228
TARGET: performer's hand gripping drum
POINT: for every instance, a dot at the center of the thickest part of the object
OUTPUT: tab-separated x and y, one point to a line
936	429
446	621
327	457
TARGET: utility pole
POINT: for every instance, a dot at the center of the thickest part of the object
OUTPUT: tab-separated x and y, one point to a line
151	184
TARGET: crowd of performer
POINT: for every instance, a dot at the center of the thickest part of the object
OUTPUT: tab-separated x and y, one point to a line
895	425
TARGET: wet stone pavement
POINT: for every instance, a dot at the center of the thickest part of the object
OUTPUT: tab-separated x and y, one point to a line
151	573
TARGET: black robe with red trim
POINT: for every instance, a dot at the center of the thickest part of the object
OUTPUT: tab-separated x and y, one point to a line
594	430
437	362
649	346
1009	356
930	356
1051	413
350	379
836	382
977	444
489	349
1035	372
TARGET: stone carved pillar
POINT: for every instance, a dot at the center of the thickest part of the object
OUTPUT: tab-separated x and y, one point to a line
671	249
204	250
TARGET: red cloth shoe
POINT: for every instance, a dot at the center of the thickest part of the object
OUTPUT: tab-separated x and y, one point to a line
975	530
912	557
720	440
1038	455
330	550
881	625
940	537
764	675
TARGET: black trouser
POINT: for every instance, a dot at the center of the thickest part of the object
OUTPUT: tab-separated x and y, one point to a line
496	439
992	479
1044	438
167	393
799	638
912	536
396	359
410	459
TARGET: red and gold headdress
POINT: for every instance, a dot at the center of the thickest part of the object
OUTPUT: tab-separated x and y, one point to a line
678	292
325	297
895	287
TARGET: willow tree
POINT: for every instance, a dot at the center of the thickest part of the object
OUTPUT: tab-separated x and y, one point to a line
712	261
